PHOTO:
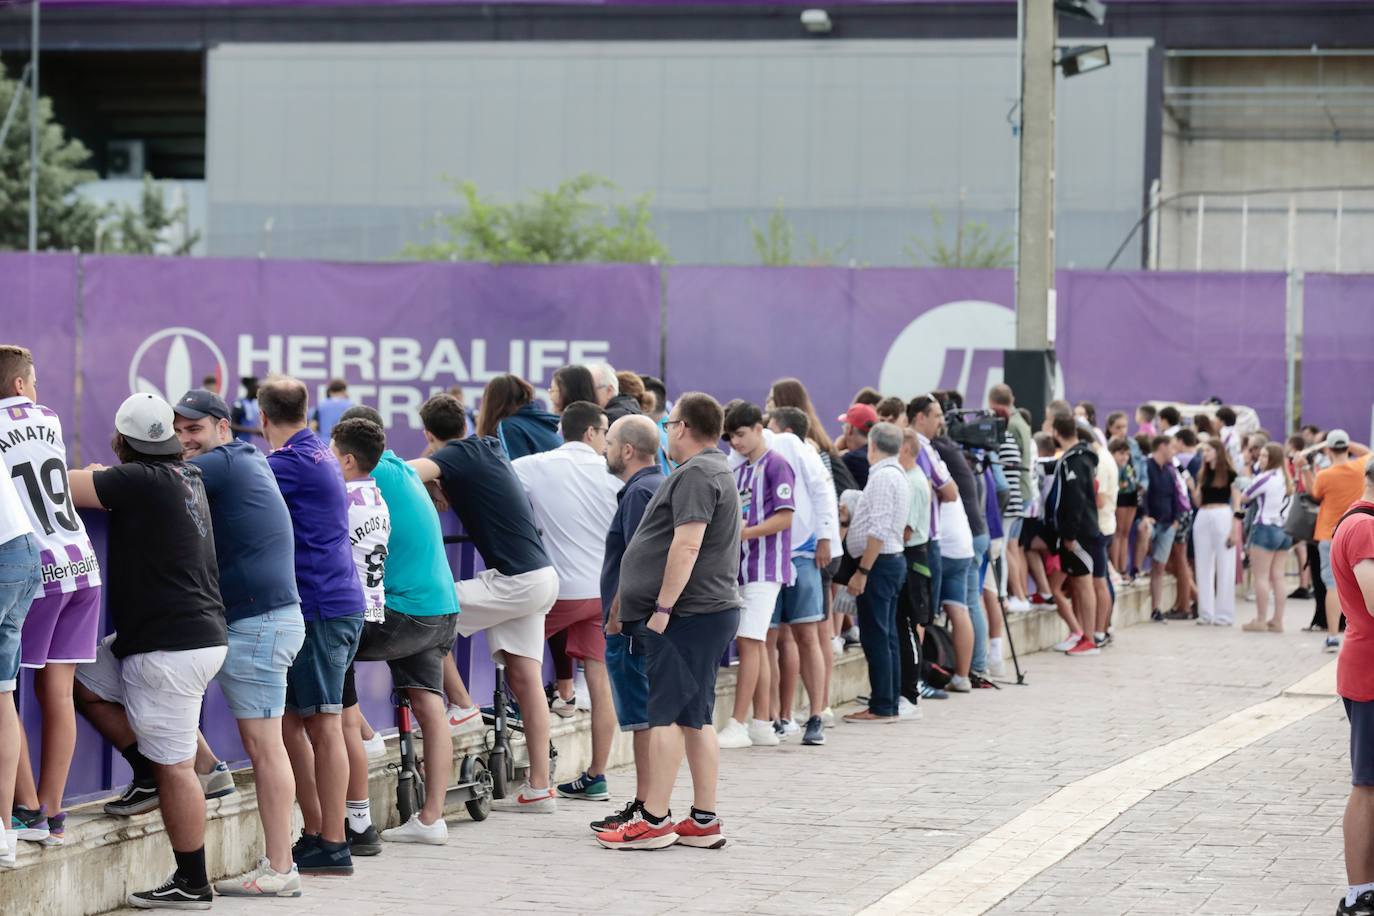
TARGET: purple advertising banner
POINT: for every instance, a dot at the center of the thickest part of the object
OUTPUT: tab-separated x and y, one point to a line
38	302
1338	353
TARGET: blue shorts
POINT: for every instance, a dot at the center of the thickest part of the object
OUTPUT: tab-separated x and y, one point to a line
954	576
315	683
1269	537
682	663
1161	542
1361	716
261	650
629	682
974	589
19	579
1328	572
801	602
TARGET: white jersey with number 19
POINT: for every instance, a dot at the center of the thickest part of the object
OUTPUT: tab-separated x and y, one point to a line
369	528
35	457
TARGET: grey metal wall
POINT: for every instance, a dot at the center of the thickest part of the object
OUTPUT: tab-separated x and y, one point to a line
342	149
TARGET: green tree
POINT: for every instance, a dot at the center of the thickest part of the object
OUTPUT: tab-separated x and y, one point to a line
559	226
152	227
974	245
64	219
773	244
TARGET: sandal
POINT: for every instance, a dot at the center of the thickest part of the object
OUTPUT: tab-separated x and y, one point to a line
1256	626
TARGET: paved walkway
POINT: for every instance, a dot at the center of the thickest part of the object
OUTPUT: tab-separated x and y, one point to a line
1242	817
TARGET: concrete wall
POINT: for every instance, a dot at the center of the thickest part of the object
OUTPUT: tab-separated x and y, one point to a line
345	147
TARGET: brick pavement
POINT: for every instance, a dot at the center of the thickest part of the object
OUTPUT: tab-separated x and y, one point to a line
834	829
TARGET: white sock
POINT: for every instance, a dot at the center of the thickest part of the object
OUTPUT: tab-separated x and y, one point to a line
359	815
1355	891
995	648
1099	636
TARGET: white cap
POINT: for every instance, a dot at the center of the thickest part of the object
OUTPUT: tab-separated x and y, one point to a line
145	421
1337	438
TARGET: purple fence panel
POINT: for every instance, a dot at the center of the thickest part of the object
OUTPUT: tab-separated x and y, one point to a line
1338	353
1124	338
38	303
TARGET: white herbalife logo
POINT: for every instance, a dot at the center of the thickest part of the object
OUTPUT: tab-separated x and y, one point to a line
177	352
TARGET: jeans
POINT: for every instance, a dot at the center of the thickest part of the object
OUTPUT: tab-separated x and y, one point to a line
19	580
976	612
878	632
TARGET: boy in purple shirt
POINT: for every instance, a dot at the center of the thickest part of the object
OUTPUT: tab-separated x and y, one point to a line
332	604
766	483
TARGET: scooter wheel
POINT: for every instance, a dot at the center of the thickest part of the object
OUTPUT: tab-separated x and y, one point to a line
475	771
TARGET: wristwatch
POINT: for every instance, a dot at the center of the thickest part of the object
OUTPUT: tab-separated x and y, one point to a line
660	609
865	571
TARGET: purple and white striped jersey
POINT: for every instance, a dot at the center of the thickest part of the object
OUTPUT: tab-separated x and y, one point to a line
34	455
1270	494
369	530
766	488
937	472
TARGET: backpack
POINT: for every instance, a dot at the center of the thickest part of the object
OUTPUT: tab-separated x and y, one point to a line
937	656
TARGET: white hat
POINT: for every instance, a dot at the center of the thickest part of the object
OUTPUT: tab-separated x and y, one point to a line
145	422
1337	438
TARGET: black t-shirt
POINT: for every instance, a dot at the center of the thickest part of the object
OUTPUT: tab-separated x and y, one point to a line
161	576
953	457
1216	495
482	488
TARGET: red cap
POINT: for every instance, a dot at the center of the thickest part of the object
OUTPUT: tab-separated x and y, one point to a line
861	416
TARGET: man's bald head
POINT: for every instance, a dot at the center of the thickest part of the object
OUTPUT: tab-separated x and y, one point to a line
638	432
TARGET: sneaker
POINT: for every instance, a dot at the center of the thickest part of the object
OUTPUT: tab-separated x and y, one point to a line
1039	600
828	717
307	842
176	894
137	798
623	816
787	728
586	786
837	646
761	735
1156	616
57	829
1363	906
31	825
262	881
535	801
907	709
375	746
959	684
980	681
640	834
777	728
489	712
463	719
699	836
932	693
815	732
324	858
416	831
1086	647
1300	593
1018	605
997	667
1333	644
9	848
367	843
217	783
851	637
1104	640
564	709
1178	614
1067	644
734	735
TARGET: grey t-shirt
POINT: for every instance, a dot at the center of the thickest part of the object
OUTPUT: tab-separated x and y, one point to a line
701	490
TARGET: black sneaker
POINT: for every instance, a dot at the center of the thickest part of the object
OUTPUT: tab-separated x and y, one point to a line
1105	641
1178	614
815	731
1300	593
307	842
367	843
1156	616
623	816
176	894
980	682
138	797
1364	906
325	858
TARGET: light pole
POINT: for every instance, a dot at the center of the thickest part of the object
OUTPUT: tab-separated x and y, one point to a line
33	131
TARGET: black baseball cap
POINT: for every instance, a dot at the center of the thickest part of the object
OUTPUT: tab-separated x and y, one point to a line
199	403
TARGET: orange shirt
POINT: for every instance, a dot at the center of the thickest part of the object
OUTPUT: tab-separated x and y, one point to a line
1337	487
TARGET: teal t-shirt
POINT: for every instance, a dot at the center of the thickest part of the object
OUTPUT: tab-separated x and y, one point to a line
418	580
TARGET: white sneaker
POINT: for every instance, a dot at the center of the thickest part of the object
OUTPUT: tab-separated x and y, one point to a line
262	882
415	831
828	717
582	697
376	746
959	684
463	719
1018	605
790	729
837	646
1073	640
563	709
735	735
907	709
9	848
761	734
535	801
997	667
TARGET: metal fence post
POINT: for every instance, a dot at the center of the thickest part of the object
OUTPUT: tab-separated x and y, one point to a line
1292	407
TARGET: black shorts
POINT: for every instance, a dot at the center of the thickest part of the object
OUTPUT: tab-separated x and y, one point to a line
1098	551
914	601
1128	499
1030	528
1361	716
412	647
1079	561
682	663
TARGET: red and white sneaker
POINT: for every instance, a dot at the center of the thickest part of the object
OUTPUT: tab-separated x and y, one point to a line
1085	646
464	719
535	801
639	834
690	833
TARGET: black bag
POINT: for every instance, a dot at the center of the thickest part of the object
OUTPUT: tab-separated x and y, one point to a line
937	656
1302	518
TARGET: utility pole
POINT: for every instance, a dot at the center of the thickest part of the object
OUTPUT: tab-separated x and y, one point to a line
33	132
1035	223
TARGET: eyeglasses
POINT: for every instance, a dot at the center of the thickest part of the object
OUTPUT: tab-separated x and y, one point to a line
668	423
602	429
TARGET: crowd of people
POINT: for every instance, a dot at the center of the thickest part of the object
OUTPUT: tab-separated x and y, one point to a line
268	547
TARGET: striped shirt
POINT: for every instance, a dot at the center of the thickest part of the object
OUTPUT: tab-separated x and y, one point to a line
1009	454
1270	496
369	530
765	489
929	460
882	511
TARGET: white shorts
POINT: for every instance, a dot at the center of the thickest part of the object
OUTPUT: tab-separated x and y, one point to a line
509	609
759	600
160	691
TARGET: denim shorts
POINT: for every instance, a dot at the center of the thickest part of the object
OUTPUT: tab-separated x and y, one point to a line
1162	542
954	576
412	647
801	602
1269	537
19	580
629	682
1328	573
315	682
261	650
